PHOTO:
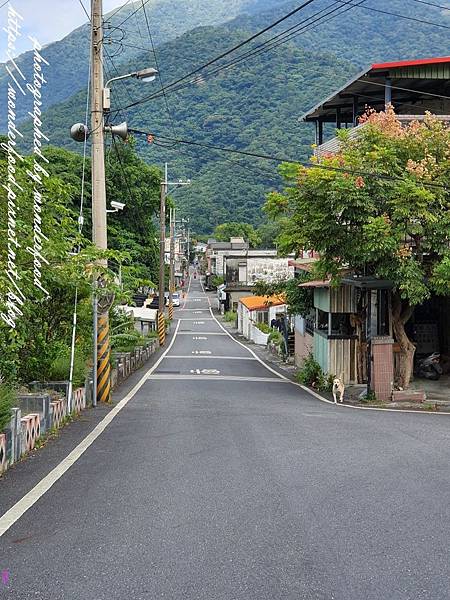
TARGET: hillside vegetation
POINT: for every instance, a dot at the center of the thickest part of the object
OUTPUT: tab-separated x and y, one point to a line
254	106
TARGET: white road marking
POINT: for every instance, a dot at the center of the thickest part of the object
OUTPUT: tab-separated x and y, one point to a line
215	357
199	337
199	352
197	377
205	371
195	319
15	512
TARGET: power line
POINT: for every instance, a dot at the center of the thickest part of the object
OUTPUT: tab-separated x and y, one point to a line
401	16
84	8
271	45
432	4
227	52
119	9
4	4
281	159
158	69
397	87
131	14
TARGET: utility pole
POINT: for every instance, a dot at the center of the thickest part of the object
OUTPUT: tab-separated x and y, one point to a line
162	252
162	241
99	231
172	261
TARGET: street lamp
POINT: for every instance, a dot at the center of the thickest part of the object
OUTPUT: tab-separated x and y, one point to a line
145	75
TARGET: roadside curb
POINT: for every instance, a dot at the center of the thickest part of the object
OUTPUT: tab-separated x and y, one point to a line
288	376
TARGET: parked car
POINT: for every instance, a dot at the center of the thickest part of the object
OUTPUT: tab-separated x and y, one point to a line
154	303
175	299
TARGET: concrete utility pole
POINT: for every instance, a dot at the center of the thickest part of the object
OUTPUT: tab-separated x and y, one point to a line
172	261
99	230
162	251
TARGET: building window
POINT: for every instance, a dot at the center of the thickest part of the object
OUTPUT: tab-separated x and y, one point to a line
340	325
262	317
322	320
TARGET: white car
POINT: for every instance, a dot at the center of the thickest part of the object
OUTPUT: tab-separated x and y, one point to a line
175	299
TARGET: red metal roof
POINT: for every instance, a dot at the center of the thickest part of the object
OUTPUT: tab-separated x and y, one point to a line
410	63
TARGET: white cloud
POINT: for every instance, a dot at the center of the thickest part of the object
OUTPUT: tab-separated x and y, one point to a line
53	20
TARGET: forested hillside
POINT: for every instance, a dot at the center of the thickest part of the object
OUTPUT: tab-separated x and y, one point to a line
69	57
254	105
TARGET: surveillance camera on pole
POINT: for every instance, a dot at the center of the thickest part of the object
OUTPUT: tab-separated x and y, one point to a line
116	206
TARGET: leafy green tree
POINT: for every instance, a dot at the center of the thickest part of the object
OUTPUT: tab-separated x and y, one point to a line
225	231
380	206
299	300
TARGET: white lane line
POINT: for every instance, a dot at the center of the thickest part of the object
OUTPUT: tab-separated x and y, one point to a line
200	333
25	503
196	320
216	356
169	377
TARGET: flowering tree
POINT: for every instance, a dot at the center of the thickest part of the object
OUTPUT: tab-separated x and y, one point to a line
379	206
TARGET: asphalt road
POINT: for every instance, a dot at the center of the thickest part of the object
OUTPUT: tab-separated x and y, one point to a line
221	481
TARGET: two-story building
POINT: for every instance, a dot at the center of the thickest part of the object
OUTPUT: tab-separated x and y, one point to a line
347	320
244	269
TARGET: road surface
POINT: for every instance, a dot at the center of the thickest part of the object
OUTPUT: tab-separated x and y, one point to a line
221	481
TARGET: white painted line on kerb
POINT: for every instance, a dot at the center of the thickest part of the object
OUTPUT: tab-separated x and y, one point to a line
25	503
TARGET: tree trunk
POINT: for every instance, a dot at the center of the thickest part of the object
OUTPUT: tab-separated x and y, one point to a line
401	313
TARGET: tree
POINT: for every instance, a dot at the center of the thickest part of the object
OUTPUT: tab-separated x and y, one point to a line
379	206
225	231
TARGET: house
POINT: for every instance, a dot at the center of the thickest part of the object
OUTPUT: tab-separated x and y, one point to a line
216	252
144	318
244	269
413	87
351	323
253	310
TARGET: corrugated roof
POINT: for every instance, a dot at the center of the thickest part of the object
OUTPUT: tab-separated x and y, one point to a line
368	86
411	63
262	302
319	283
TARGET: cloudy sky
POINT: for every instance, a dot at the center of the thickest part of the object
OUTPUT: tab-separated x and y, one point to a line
47	20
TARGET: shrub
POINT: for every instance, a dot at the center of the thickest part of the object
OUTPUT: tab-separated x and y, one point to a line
311	373
7	398
263	327
126	342
275	337
60	368
230	316
216	281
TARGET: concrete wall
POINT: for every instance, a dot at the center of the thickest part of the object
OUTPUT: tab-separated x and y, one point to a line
304	345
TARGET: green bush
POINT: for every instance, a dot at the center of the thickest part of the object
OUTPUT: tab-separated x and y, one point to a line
60	368
276	338
230	316
126	342
264	327
7	398
216	281
311	373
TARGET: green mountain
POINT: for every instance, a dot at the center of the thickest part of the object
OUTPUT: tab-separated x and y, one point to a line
126	36
255	105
